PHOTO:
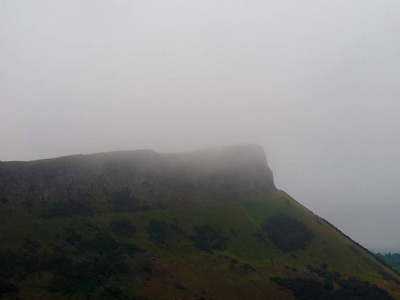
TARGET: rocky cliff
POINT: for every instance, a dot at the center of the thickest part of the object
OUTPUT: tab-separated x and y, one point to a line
217	174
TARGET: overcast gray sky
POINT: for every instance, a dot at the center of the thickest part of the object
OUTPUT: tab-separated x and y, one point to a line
316	83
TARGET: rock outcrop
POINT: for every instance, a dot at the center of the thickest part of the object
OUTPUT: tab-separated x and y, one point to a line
231	173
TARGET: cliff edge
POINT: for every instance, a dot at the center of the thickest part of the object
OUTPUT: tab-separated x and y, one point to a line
230	173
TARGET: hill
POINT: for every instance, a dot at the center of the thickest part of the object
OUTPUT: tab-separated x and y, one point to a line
220	174
208	224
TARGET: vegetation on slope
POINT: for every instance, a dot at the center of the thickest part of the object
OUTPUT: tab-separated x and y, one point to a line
234	250
288	234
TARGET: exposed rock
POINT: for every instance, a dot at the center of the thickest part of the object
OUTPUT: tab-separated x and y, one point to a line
231	173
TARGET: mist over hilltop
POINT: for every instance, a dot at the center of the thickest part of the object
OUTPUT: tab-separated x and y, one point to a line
142	224
316	84
234	172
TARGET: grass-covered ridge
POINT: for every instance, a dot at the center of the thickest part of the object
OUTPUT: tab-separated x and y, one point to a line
208	224
221	251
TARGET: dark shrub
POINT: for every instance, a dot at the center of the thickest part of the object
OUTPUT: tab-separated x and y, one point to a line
208	238
148	267
72	237
31	244
122	227
112	293
105	245
67	209
248	267
288	234
302	288
7	287
157	232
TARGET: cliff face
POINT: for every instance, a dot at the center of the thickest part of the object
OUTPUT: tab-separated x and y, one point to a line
217	174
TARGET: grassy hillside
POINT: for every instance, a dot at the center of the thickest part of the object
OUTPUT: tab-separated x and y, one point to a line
268	247
208	224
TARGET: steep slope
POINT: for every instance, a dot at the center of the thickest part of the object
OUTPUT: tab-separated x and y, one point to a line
220	174
208	224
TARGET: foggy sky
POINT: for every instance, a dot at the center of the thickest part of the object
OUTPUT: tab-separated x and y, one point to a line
316	83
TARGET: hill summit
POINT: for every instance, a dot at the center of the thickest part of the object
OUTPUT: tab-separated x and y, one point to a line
203	225
216	174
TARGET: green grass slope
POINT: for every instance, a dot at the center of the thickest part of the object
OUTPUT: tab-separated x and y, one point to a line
268	247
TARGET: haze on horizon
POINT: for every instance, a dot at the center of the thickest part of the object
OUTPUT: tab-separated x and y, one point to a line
316	83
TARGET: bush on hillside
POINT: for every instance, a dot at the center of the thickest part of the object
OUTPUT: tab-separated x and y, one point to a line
157	232
67	209
288	234
122	227
349	289
7	288
208	238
